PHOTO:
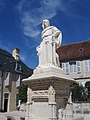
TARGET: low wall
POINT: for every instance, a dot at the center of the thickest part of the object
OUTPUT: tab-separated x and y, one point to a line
81	111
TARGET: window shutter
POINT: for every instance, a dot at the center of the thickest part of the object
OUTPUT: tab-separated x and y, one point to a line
67	68
78	66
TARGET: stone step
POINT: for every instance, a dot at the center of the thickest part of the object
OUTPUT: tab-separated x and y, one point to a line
15	115
2	116
81	118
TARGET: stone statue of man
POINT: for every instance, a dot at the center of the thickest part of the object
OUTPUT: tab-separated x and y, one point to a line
60	114
51	40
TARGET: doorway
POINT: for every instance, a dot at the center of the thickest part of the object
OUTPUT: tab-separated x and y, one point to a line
6	100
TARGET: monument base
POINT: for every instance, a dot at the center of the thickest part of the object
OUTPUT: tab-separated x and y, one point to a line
49	68
49	72
48	94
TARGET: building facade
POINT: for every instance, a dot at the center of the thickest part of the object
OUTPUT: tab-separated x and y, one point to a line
75	60
12	71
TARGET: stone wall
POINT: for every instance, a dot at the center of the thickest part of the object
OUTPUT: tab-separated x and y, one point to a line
81	111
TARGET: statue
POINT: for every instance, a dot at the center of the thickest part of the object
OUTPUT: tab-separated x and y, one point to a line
51	40
70	98
60	114
51	94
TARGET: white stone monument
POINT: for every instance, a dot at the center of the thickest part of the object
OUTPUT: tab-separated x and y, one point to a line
48	95
51	40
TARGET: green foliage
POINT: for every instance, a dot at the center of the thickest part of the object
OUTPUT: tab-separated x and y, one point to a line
22	93
79	93
87	86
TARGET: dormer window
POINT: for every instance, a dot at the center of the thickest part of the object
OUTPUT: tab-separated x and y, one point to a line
17	57
18	66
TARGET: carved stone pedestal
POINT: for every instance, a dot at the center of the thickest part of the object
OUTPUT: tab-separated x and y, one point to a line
48	94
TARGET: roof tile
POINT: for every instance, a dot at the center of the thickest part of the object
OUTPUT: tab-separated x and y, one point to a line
80	50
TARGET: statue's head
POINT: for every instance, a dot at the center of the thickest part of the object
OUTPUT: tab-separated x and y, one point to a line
45	23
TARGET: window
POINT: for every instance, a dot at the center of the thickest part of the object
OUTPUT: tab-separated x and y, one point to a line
78	111
7	78
18	80
78	66
71	67
6	95
17	57
65	67
18	66
86	112
87	65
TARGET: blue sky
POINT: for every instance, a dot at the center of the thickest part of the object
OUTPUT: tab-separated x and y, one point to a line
20	24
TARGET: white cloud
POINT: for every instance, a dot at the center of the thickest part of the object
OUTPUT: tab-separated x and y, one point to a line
32	13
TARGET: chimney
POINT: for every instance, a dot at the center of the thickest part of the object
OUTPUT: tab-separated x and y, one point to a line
16	54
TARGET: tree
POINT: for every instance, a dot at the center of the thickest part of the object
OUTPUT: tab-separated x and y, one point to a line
78	93
22	93
87	86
